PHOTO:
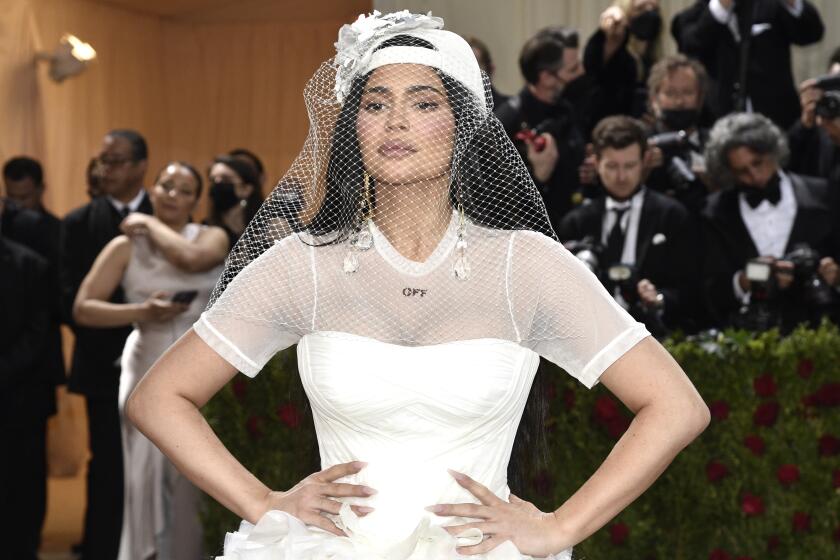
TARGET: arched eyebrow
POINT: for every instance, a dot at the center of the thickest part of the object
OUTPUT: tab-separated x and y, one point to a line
385	90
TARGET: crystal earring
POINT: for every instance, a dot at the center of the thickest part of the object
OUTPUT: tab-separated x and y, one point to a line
360	238
462	265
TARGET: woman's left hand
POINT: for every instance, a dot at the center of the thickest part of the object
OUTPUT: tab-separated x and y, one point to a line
136	224
532	531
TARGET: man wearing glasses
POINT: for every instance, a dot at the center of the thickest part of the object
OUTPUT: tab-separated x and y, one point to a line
95	369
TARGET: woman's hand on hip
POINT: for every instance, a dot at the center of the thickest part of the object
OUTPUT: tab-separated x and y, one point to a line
532	531
314	496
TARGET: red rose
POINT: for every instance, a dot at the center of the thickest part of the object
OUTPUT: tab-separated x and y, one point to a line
788	474
239	388
773	542
617	426
719	410
836	479
719	554
716	471
801	522
619	533
829	446
605	408
254	426
764	385
837	534
810	399
806	368
766	414
755	444
289	414
752	505
828	395
569	397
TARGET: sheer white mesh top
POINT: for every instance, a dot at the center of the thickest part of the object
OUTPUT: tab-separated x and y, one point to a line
415	401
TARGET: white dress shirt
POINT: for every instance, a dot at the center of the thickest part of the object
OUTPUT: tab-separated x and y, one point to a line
769	225
629	223
132	205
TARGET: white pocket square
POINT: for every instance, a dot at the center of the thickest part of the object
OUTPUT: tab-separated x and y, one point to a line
659	239
759	28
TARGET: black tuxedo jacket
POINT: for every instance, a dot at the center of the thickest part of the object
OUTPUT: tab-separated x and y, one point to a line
84	233
728	244
40	232
668	260
770	83
27	389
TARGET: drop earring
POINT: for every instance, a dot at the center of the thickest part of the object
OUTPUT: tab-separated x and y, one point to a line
360	238
461	269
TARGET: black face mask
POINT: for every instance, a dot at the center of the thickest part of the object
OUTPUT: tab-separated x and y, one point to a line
680	119
223	195
646	25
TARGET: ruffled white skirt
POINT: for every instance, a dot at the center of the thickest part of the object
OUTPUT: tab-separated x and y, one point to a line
280	536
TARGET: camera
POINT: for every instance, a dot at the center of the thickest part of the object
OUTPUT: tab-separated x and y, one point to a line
620	280
828	106
807	299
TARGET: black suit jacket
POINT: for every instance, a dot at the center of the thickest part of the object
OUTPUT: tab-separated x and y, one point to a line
40	232
27	390
84	233
728	244
770	83
670	263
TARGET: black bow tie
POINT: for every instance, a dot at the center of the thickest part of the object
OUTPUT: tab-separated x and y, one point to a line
771	192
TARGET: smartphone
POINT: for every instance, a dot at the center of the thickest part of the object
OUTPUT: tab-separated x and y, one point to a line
186	297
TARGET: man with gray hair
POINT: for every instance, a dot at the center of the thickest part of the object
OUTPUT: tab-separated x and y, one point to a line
772	240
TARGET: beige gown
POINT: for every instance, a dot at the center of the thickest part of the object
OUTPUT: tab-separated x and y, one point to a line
160	512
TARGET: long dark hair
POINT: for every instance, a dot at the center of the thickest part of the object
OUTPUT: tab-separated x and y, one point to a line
248	175
485	201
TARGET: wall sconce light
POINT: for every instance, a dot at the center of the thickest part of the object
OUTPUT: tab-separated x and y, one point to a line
70	57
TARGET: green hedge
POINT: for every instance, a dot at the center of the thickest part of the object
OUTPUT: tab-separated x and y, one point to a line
763	481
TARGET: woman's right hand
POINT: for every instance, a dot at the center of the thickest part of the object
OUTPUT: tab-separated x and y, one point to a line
158	308
313	496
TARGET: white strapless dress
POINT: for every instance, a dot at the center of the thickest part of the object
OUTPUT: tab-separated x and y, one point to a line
411	413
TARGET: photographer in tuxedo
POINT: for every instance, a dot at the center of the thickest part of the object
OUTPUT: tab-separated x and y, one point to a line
642	241
771	237
746	47
815	138
95	369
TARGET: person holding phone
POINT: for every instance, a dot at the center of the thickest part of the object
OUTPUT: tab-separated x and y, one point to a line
167	267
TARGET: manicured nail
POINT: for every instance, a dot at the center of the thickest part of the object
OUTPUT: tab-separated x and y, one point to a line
434	509
364	509
359	464
455	474
367	490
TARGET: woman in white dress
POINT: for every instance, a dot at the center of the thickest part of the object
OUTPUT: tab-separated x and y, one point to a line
158	257
408	255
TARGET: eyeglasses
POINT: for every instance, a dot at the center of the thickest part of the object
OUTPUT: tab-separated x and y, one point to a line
110	161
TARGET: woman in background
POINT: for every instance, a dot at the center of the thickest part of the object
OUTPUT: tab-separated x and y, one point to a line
167	267
235	195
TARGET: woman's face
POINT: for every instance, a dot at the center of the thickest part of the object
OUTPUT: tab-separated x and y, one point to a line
221	173
175	194
405	125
